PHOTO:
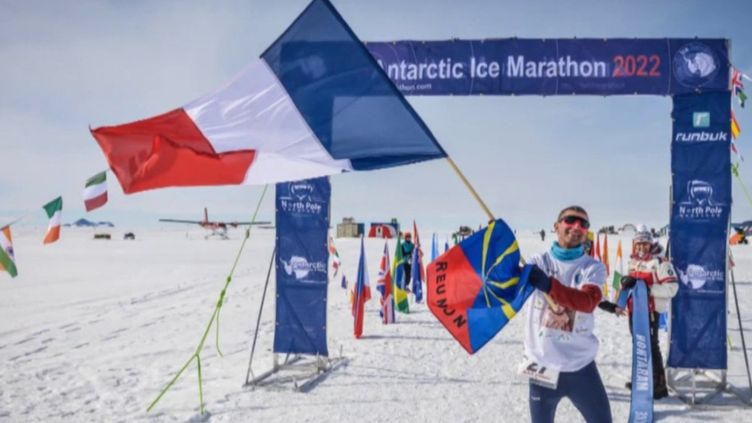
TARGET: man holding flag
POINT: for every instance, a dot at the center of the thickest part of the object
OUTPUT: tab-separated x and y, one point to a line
560	346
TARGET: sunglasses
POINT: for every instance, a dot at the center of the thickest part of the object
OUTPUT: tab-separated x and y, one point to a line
572	220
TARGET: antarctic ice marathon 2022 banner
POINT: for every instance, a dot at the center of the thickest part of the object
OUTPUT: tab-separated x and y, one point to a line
555	66
302	217
700	212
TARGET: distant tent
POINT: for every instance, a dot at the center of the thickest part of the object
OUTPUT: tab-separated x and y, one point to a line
382	230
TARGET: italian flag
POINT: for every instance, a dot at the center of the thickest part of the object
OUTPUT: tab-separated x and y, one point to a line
95	192
7	259
54	208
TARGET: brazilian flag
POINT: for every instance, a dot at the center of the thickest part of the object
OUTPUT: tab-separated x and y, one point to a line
398	270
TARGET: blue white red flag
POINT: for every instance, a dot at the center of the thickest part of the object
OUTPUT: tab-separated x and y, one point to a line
361	292
314	103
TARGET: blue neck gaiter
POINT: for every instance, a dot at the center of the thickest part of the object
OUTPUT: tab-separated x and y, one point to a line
566	254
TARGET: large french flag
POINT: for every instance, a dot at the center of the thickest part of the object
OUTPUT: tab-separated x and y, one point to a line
315	103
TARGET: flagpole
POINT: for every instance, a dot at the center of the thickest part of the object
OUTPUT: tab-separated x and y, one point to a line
470	188
488	212
18	219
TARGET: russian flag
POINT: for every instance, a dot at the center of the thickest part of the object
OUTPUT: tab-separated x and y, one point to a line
315	103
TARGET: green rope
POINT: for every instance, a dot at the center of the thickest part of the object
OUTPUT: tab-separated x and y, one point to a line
735	172
215	316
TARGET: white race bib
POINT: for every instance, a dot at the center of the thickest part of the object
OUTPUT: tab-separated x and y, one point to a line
546	376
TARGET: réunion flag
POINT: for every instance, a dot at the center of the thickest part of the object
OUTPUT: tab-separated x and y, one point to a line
54	210
314	103
478	286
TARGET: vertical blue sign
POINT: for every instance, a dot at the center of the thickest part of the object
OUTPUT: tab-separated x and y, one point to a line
302	215
700	213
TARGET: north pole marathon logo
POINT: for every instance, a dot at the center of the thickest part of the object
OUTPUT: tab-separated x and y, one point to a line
695	64
699	203
301	199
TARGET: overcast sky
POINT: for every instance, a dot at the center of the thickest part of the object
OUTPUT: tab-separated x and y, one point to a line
65	65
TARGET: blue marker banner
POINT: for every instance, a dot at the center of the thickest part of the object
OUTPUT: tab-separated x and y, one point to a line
700	213
302	217
641	401
555	66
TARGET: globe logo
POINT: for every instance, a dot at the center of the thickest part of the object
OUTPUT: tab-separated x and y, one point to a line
695	64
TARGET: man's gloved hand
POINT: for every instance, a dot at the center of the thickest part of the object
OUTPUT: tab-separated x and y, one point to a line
628	282
539	279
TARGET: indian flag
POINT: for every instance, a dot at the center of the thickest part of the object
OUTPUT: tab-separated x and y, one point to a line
54	208
7	259
618	271
95	192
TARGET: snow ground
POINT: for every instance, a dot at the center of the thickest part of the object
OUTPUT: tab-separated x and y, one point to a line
92	330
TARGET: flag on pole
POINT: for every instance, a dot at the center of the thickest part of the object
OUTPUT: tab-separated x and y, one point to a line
737	87
335	256
416	276
618	270
604	259
95	191
384	285
398	270
53	209
597	248
477	287
418	247
735	130
361	292
734	149
315	103
434	246
7	257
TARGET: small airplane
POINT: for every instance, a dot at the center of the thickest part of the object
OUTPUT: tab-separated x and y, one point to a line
218	229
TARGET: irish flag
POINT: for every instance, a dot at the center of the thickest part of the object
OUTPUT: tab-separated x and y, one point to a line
314	103
95	192
54	208
7	258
